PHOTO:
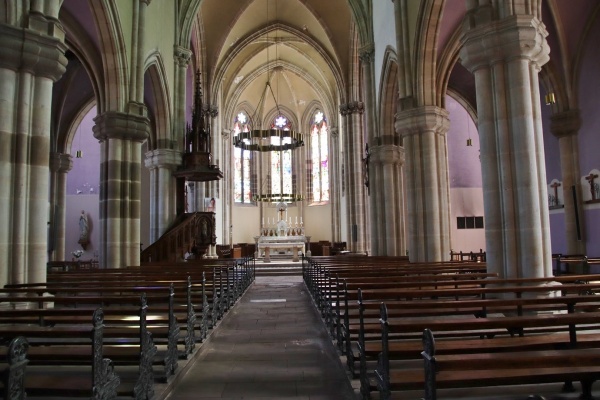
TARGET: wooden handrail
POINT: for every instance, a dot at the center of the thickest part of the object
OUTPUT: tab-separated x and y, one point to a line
174	243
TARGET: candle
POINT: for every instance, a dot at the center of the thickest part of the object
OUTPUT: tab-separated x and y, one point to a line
263	221
300	220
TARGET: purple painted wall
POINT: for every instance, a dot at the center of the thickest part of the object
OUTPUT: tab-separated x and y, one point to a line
463	161
83	186
84	178
551	148
589	134
589	87
592	218
557	233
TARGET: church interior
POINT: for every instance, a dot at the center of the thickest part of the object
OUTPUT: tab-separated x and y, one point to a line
209	137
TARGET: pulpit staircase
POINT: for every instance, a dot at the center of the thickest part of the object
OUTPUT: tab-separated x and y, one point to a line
178	239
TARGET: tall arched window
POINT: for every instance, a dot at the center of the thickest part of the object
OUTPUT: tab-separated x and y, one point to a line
281	161
242	191
319	151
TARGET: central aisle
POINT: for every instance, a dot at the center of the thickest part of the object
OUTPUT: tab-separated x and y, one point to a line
271	345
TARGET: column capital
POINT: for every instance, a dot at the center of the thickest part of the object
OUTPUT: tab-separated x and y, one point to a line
210	110
27	50
60	162
415	121
387	154
566	123
352	107
182	56
165	158
367	53
119	125
514	37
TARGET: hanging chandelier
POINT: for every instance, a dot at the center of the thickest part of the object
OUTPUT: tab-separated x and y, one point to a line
278	198
262	139
275	139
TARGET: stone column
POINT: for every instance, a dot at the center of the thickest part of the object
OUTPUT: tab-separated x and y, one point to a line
32	60
565	126
366	56
162	163
334	184
355	188
60	165
212	112
121	136
505	56
427	190
182	57
387	200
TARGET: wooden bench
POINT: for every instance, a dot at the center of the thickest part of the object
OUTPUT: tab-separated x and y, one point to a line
132	345
99	380
13	367
389	380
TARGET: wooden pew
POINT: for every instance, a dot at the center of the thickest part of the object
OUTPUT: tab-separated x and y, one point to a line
98	380
72	345
485	368
14	363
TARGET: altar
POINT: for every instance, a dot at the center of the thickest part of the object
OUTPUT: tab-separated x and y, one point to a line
281	237
266	246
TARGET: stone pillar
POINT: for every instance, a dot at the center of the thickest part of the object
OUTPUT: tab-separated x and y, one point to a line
163	198
387	200
355	188
427	190
334	185
505	57
32	60
212	112
182	57
60	164
121	136
366	56
565	126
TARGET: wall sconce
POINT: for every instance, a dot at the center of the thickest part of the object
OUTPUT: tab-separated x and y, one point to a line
469	141
550	99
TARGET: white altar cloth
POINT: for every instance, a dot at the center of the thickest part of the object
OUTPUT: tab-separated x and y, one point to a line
294	243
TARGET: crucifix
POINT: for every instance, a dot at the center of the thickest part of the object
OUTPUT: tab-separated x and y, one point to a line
555	186
590	178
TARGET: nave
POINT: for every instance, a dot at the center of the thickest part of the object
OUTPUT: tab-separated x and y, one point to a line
271	345
274	345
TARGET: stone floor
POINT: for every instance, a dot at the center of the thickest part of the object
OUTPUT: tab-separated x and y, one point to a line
273	345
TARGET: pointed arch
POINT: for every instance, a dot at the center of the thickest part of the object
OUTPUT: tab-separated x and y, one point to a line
388	97
161	109
430	15
363	18
74	124
114	82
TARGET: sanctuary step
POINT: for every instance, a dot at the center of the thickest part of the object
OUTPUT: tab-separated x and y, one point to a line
278	268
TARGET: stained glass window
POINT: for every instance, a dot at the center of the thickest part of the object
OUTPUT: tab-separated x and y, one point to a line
241	163
281	161
319	140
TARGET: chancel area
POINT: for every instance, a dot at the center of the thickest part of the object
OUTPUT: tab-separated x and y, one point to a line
295	173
